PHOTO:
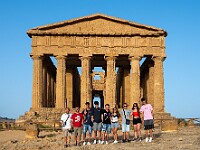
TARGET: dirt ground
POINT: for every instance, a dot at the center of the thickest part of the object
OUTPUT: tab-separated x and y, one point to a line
185	138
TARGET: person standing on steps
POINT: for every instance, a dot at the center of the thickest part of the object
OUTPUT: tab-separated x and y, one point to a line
87	126
66	126
147	114
77	123
125	114
97	122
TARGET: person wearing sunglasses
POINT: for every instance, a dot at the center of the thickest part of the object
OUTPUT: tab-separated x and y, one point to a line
125	114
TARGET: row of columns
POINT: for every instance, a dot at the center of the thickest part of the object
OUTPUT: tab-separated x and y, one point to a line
86	81
43	93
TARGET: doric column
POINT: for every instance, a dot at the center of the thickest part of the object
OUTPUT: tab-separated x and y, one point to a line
69	88
135	80
61	82
44	99
86	81
37	82
158	84
49	92
110	81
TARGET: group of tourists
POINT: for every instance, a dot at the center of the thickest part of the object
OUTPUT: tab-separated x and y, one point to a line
103	121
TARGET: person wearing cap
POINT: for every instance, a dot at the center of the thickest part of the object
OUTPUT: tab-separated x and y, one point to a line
87	126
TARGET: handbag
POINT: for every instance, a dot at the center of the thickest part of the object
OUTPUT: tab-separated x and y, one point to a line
65	122
127	120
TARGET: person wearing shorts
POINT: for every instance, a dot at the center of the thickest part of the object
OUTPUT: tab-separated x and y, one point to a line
115	124
66	126
136	122
77	123
87	126
106	129
97	122
125	114
147	112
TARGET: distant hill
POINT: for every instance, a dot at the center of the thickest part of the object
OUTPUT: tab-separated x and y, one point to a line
3	119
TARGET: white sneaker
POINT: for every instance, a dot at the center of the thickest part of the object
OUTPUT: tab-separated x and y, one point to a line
115	142
99	141
150	140
106	142
88	143
84	143
146	139
102	142
95	142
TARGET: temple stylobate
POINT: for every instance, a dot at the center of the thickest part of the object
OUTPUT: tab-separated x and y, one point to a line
115	45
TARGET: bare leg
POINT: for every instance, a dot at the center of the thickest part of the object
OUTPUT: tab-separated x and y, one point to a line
128	135
138	130
106	136
95	135
78	140
103	136
146	133
89	137
75	139
68	140
151	135
84	137
124	135
99	134
135	131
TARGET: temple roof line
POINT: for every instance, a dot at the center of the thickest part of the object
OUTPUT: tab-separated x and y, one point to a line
50	28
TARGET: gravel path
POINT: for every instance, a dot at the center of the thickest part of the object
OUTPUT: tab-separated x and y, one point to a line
184	138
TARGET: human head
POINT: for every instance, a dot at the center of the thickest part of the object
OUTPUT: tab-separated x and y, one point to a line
77	109
135	106
125	105
143	101
107	106
115	110
67	110
87	104
96	103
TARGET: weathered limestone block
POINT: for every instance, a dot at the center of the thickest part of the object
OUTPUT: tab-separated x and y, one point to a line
12	125
32	131
182	124
169	125
190	123
4	125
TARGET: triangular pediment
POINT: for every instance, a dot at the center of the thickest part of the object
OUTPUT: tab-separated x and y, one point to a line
97	24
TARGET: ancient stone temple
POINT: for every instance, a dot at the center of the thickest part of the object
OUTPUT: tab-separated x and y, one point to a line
131	56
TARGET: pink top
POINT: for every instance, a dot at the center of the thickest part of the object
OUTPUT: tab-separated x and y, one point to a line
147	111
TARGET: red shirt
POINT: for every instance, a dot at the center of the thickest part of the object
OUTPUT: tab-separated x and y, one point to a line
77	119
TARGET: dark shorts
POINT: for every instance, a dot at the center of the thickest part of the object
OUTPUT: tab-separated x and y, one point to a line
148	124
136	121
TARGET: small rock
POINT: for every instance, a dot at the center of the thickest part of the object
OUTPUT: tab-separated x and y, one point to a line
14	141
180	139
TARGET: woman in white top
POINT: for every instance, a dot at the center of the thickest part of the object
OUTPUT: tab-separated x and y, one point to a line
115	123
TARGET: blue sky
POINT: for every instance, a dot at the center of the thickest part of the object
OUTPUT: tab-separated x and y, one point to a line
180	18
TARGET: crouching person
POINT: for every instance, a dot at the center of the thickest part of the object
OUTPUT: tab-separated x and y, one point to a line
77	123
66	126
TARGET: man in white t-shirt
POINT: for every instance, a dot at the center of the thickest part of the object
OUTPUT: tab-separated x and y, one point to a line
66	126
